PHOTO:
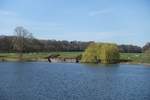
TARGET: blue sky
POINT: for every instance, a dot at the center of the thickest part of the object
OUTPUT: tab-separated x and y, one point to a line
118	21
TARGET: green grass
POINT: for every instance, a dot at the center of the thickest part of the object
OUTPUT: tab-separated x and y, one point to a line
36	56
133	57
67	54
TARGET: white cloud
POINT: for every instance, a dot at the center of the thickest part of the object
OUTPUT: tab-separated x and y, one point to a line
87	36
9	20
99	12
112	37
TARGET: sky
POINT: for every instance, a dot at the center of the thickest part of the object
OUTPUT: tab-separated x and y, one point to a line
117	21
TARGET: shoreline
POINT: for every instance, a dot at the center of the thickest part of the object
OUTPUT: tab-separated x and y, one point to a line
138	63
45	60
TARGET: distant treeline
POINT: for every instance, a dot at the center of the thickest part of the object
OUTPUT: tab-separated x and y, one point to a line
36	45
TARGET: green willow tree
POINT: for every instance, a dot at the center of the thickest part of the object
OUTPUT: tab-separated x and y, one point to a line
146	56
90	54
109	53
101	53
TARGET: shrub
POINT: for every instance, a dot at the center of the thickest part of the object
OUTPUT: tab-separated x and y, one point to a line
90	54
109	53
146	56
101	52
79	57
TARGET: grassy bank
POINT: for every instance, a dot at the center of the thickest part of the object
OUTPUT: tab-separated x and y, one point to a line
36	56
130	57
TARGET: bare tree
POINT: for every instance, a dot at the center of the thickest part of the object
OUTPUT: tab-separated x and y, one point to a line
19	42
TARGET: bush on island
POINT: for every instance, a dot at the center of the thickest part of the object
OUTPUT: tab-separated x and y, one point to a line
90	54
109	53
146	56
101	53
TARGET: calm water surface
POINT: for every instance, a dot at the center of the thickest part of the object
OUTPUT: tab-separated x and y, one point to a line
45	81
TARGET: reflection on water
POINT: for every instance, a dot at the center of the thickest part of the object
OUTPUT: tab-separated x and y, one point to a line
58	81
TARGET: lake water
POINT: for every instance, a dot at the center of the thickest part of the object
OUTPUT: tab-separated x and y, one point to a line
66	81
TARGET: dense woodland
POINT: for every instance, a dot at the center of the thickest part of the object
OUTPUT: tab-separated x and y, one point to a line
36	45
